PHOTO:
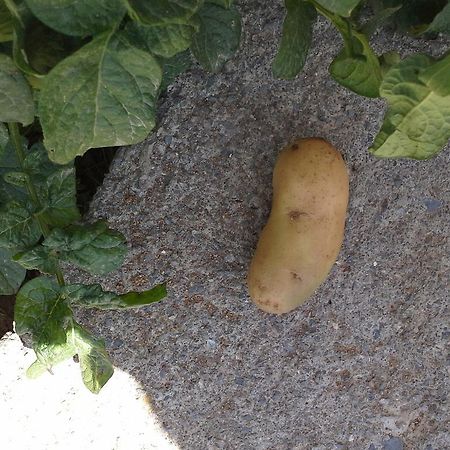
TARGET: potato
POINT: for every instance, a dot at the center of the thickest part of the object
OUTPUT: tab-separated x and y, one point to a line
302	238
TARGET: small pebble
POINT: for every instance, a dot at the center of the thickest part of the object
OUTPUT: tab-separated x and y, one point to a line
394	443
196	289
432	204
116	343
226	153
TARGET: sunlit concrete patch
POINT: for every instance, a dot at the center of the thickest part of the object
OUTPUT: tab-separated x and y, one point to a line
57	412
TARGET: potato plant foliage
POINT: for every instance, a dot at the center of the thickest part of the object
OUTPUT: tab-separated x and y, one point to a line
417	88
82	74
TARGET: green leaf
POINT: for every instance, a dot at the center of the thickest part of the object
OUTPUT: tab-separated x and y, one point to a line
8	157
218	37
387	60
61	203
36	47
93	296
378	20
95	365
417	123
50	354
54	184
356	66
164	40
136	299
16	103
80	17
6	23
441	22
4	138
359	73
296	39
437	76
16	178
41	310
11	274
10	163
94	248
37	369
96	368
10	193
223	3
18	228
158	12
23	20
45	47
38	258
173	67
103	95
340	7
415	16
37	165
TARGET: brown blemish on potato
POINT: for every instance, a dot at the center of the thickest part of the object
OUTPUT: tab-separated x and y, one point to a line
268	303
294	147
295	214
262	302
296	276
261	286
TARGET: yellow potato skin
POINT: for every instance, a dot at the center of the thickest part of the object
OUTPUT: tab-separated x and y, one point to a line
302	238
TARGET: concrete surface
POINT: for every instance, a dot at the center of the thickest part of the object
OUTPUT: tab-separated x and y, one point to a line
364	364
57	412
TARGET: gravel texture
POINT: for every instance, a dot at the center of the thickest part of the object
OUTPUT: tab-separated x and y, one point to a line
364	364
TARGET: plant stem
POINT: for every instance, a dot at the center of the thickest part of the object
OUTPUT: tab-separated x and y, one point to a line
343	26
16	140
349	44
17	143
